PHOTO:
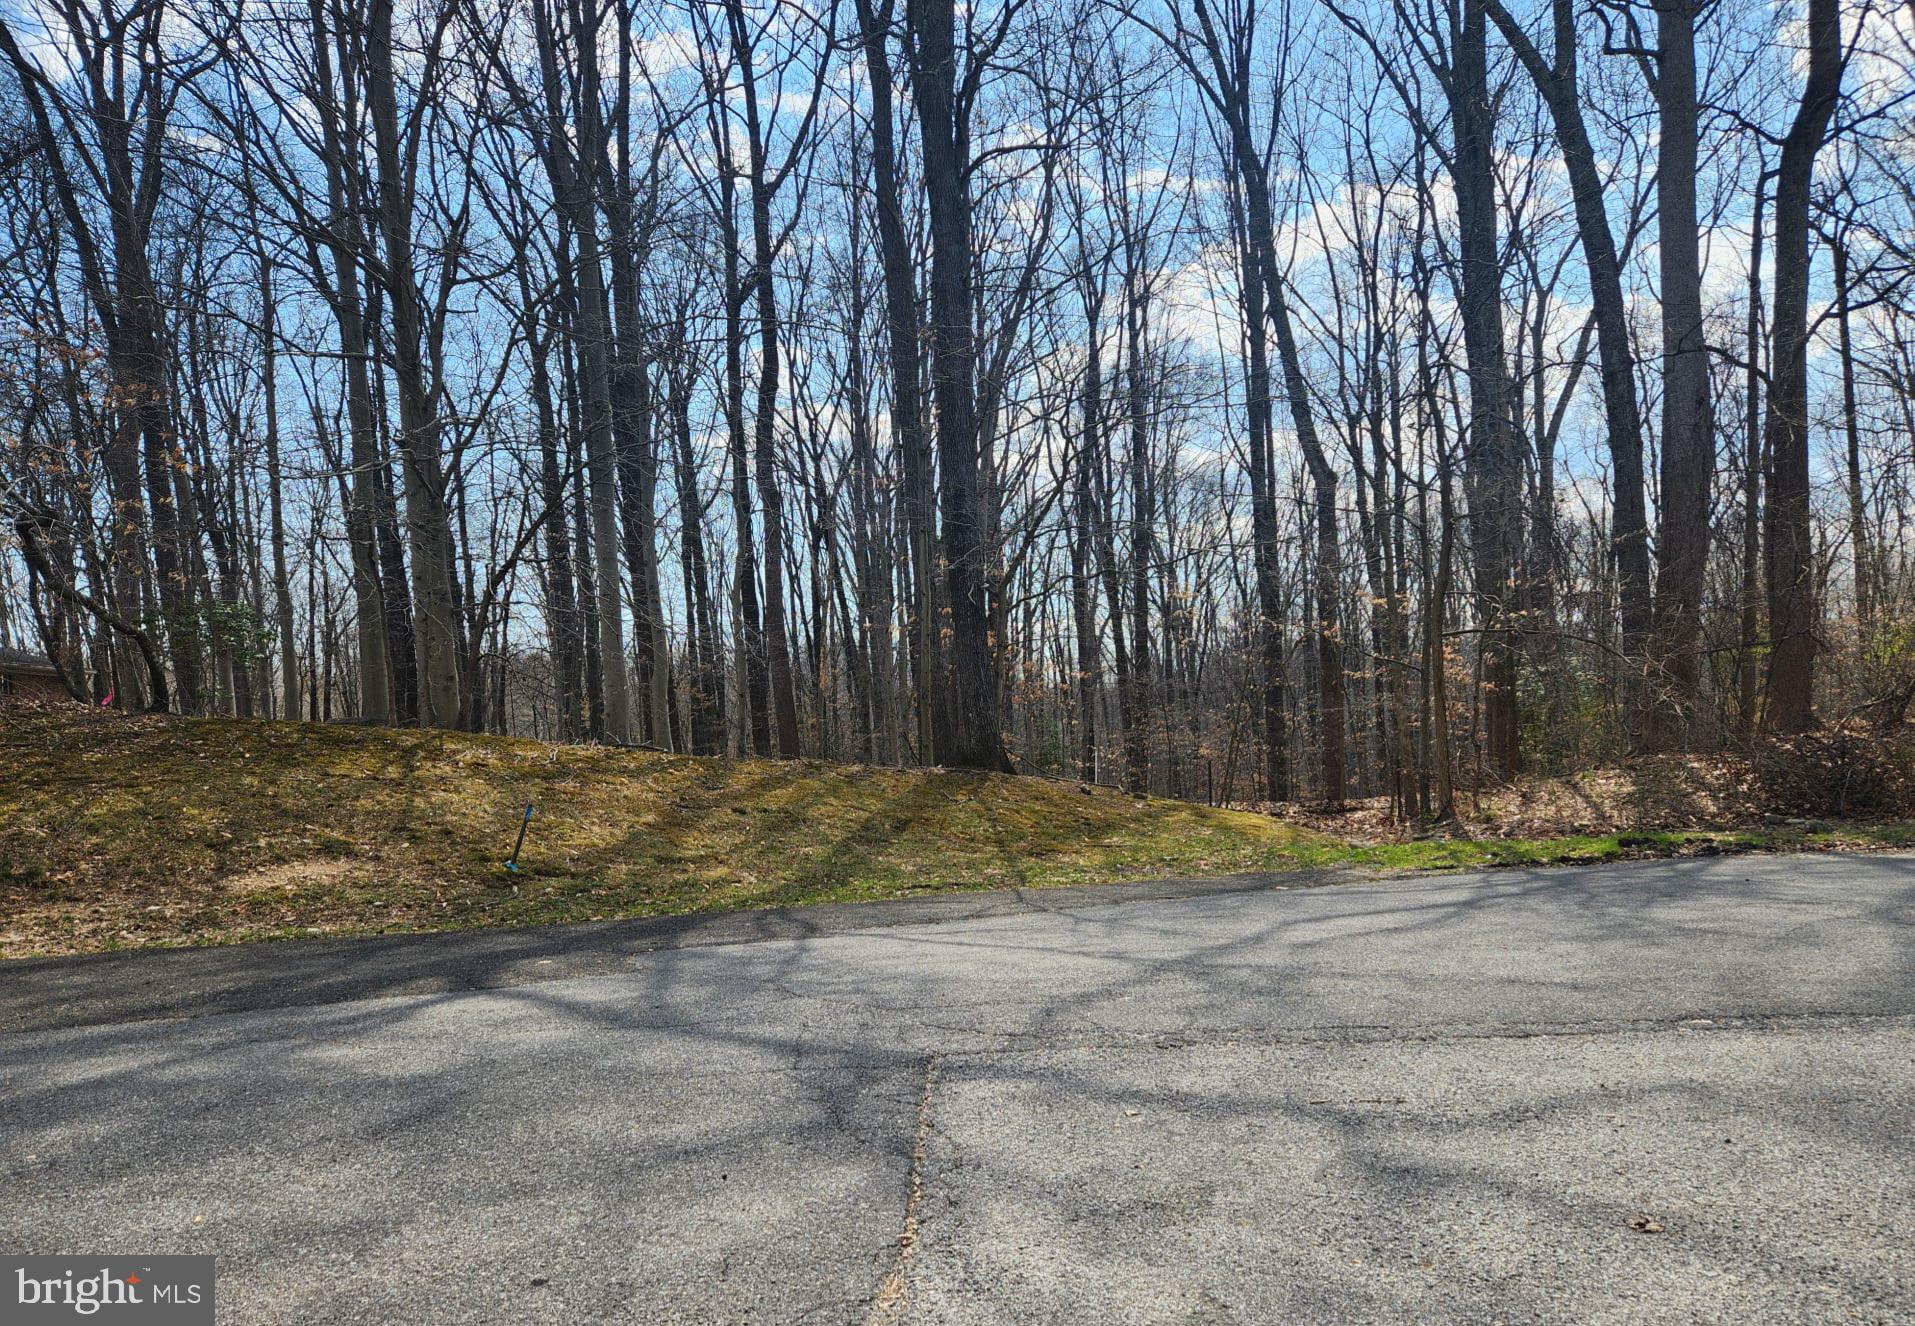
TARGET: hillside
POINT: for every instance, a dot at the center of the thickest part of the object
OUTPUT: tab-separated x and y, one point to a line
120	832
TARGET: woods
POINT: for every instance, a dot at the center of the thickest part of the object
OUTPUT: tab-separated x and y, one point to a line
1336	399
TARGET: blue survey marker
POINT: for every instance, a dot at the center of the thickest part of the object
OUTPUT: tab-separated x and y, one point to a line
525	821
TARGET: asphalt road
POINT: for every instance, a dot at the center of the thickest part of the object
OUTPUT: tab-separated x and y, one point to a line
1663	1092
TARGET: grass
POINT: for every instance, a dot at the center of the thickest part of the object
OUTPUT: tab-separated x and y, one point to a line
153	832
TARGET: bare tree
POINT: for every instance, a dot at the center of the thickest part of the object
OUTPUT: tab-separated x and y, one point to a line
1790	538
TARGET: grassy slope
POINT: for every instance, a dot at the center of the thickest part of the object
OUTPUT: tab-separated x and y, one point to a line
120	832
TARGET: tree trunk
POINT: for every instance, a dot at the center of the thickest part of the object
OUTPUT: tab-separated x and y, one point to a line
1792	606
1688	421
1136	722
976	738
346	241
902	334
428	522
1749	615
282	585
1629	534
777	643
561	603
1852	434
1493	459
707	676
572	186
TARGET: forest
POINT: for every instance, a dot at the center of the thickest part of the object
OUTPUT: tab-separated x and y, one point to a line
1248	403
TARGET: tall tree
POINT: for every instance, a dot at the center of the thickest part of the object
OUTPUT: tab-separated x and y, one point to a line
1791	540
903	333
1688	417
976	737
570	163
1558	81
764	180
428	517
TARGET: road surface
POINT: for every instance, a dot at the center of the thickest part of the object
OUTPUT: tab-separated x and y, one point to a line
1656	1092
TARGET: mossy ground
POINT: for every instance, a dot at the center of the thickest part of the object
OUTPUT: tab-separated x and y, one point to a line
150	832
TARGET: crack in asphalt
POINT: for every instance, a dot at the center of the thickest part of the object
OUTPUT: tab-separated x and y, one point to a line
891	1302
894	1292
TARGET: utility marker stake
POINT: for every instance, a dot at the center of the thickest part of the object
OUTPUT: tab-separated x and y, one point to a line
512	862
